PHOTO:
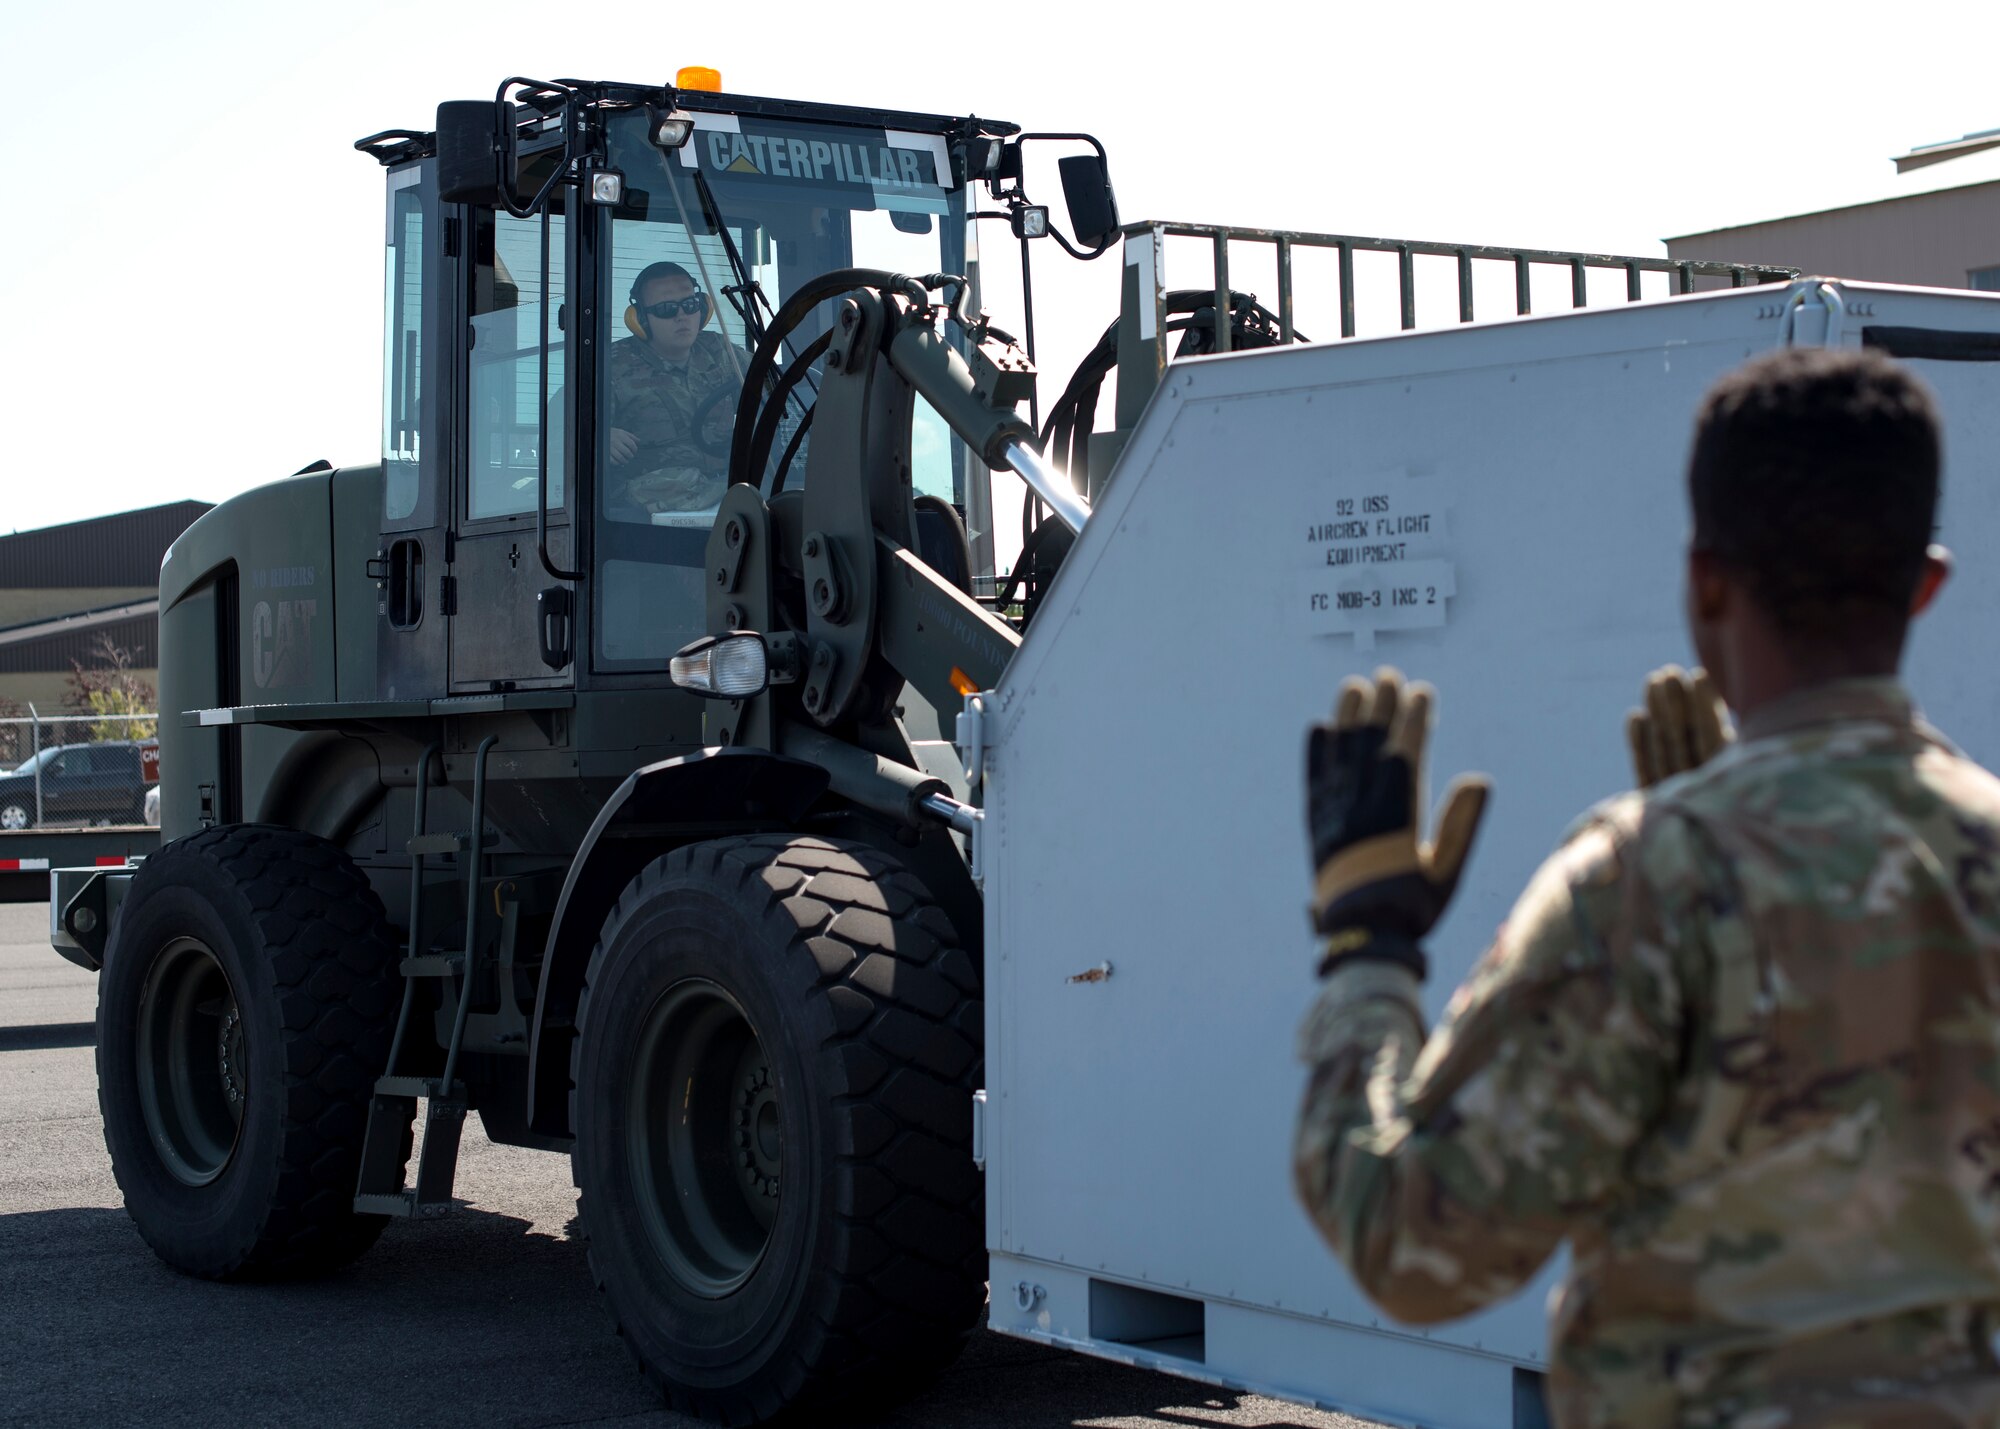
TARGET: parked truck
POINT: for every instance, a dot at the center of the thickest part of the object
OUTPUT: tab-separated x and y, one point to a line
637	830
88	802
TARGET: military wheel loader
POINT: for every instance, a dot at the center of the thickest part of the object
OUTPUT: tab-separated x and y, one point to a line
496	783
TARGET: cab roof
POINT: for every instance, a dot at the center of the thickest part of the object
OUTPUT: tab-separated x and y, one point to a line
399	146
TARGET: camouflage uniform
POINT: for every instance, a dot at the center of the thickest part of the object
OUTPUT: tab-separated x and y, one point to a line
1739	1044
656	400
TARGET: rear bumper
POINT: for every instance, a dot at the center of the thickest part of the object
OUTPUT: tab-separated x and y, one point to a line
82	903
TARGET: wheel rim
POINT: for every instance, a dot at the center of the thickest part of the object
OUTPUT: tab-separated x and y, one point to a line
194	1077
705	1140
13	817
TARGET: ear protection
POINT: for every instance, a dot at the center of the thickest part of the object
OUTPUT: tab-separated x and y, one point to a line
640	325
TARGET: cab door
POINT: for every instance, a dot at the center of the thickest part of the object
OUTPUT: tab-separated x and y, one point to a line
512	625
411	564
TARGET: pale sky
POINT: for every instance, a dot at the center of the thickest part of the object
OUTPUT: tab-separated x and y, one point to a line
193	265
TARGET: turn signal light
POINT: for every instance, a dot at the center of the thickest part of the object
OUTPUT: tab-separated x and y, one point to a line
699	77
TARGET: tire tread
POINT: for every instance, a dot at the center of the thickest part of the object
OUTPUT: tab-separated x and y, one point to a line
332	957
901	1062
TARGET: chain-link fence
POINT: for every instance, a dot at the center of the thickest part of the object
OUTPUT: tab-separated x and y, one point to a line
73	771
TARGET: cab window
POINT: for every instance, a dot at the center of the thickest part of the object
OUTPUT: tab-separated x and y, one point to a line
707	245
402	356
507	405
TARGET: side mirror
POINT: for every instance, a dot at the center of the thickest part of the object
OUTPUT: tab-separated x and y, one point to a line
1093	208
472	150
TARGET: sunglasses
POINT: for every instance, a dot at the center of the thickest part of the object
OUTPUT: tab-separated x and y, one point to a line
694	306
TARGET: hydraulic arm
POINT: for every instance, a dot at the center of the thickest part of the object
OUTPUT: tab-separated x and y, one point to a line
876	614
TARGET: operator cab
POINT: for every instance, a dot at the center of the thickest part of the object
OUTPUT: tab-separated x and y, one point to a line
556	433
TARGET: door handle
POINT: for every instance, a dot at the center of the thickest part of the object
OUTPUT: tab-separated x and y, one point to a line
554	624
403	569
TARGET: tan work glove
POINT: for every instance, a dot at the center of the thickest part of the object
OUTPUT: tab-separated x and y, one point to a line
1379	889
1682	726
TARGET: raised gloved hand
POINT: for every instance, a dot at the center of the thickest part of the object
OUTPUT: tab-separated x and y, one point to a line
1681	728
1379	889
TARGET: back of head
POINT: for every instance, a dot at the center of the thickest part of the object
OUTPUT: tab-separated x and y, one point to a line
1814	480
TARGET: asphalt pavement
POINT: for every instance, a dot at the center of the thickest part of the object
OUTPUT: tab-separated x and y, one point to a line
484	1318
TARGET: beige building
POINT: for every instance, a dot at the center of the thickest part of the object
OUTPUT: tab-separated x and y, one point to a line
64	590
1936	223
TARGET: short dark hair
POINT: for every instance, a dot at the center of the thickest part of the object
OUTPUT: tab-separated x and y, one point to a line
1814	477
653	272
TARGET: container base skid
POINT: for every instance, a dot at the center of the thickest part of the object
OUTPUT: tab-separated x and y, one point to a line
1392	1376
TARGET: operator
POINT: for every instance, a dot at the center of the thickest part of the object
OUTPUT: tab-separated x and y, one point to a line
673	398
1738	1043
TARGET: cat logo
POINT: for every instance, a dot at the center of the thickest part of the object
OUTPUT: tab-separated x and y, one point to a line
741	165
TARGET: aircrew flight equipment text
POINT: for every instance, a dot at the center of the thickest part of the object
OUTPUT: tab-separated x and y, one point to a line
1377	562
1368	539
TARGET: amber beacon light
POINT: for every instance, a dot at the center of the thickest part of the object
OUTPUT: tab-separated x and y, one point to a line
699	77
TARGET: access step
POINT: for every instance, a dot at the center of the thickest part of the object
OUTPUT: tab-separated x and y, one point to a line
429	1088
404	1205
381	1192
424	844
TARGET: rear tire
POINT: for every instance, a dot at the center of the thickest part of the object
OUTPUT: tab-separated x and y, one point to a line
245	1008
778	1043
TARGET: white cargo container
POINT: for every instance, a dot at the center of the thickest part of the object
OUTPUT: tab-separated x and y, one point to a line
1499	509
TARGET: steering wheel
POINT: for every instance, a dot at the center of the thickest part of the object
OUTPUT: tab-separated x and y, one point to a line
698	424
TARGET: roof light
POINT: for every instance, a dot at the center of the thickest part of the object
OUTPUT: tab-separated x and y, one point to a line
700	77
730	667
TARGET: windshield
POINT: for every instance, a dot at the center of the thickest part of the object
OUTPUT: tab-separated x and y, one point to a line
707	245
41	757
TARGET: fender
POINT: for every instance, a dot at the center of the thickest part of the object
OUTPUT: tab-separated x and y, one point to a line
660	807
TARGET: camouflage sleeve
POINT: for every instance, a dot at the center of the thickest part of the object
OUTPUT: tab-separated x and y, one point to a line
1445	1171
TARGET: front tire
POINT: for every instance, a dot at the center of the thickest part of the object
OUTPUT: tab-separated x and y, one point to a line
244	1011
778	1043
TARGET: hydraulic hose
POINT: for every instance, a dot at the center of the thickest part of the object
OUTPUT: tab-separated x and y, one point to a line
792	450
1065	436
765	360
773	411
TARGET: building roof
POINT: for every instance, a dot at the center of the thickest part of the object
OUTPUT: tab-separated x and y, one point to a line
120	550
1927	154
76	621
54	646
1975	162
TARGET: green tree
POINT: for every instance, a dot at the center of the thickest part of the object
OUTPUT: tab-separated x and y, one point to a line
107	686
14	738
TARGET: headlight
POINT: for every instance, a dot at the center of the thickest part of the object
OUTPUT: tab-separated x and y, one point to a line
1031	221
728	667
673	129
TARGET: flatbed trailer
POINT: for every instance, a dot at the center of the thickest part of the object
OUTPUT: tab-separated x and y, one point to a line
27	856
